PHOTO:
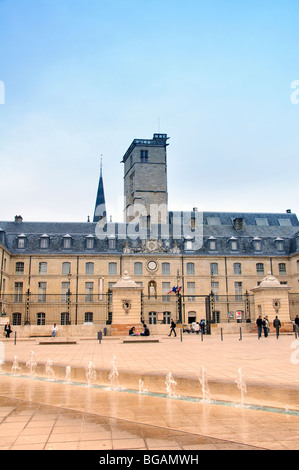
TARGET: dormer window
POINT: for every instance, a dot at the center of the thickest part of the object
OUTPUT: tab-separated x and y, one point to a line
67	242
44	242
111	242
233	244
188	244
212	244
90	242
21	241
279	242
257	244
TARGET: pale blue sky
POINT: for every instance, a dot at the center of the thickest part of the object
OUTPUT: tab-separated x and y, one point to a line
85	77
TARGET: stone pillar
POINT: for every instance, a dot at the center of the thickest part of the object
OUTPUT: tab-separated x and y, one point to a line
126	306
272	299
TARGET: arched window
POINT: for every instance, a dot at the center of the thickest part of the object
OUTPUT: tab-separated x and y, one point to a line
138	269
165	269
237	269
19	267
190	269
152	318
42	268
41	319
112	269
89	268
88	317
260	269
282	269
214	269
66	268
16	318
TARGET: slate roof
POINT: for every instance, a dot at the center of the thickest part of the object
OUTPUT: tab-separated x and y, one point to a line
220	226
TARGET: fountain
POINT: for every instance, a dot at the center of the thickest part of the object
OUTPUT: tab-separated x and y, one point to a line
206	396
68	374
170	385
15	366
241	385
49	370
141	387
114	375
31	364
90	373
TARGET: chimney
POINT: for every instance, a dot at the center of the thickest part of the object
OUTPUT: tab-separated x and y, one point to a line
18	219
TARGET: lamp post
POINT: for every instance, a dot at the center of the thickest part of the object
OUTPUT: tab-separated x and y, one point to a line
27	314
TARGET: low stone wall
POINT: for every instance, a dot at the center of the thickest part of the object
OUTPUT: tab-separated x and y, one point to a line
80	331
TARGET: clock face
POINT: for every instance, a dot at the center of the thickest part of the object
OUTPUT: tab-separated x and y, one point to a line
152	265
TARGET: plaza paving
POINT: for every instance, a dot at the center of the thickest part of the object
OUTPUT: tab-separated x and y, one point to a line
43	414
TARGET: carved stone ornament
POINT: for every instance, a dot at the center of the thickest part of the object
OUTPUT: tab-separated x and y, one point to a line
276	305
127	306
152	246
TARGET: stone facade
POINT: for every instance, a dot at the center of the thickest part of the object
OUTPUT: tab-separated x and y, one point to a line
65	272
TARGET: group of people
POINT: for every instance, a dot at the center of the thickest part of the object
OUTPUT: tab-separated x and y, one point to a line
264	324
146	331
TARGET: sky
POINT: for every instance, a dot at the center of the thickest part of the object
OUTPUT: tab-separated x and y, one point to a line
84	78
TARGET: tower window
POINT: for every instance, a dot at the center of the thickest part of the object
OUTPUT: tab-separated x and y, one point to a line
144	156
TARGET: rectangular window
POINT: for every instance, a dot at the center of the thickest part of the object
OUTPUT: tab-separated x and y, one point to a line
165	291
43	268
90	243
214	269
237	269
66	268
191	291
190	269
166	269
89	268
41	319
21	243
64	291
18	297
282	269
42	292
260	269
88	317
19	268
89	292
215	290
239	291
112	269
16	319
138	269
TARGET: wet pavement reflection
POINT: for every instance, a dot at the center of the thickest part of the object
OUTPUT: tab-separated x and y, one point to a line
45	415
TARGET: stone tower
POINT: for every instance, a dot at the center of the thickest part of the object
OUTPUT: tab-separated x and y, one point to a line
145	180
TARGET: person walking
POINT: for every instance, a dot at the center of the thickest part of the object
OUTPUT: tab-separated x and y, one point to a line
7	330
172	328
259	323
297	323
277	325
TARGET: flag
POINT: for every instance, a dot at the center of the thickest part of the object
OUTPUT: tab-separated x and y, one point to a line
176	290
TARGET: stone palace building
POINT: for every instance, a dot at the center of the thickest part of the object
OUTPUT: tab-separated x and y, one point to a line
189	266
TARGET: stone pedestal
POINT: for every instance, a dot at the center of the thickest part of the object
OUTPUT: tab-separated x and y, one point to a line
272	299
126	306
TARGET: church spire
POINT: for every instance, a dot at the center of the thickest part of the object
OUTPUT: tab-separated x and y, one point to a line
100	207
